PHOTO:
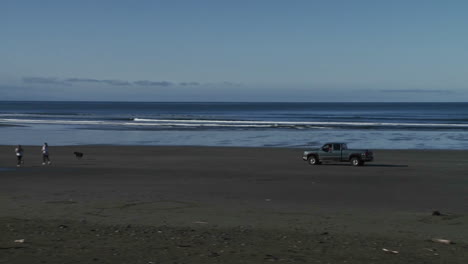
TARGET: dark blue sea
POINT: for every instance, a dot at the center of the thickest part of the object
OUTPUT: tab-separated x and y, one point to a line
369	125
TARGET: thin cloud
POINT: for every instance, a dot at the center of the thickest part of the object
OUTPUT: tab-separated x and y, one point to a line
146	83
189	83
87	80
82	80
71	81
42	80
116	82
153	83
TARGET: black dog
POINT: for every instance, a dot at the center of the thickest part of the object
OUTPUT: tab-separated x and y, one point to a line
78	155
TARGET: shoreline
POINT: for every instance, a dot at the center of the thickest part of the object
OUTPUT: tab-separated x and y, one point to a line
228	147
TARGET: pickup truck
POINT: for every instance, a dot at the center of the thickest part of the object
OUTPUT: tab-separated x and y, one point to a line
338	152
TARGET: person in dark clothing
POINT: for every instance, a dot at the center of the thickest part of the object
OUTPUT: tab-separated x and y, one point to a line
45	154
19	155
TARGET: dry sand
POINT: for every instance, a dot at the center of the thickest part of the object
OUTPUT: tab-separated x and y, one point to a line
231	205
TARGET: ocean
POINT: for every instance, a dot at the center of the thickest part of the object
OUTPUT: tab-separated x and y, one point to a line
296	125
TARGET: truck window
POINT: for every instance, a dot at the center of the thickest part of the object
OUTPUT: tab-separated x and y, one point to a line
327	148
336	147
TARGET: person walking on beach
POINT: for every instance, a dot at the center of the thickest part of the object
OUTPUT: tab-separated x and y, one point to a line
19	155
45	154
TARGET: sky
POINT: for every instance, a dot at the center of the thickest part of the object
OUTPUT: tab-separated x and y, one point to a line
219	50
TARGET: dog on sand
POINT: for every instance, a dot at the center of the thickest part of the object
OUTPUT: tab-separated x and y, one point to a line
78	155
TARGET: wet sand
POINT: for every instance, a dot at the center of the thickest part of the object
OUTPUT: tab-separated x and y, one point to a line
231	205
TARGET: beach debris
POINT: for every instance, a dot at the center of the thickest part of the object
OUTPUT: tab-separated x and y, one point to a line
62	226
183	246
433	250
390	251
19	241
442	241
437	213
200	222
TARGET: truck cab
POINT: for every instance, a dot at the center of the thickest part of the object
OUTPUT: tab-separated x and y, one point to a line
332	151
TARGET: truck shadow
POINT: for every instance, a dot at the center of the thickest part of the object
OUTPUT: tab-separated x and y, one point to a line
386	165
367	165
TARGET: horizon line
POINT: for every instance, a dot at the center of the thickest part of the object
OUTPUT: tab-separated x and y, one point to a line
136	101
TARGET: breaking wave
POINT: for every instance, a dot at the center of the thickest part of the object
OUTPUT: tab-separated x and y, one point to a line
241	124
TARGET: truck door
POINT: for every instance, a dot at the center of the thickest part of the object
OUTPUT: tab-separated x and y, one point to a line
326	152
336	153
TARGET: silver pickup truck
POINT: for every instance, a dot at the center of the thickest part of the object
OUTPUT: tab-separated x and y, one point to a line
338	152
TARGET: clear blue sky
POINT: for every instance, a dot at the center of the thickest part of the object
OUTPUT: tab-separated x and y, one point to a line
234	50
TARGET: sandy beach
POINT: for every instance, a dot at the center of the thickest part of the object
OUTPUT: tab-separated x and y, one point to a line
135	204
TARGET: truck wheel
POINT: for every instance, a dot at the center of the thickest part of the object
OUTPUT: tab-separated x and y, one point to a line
313	160
355	161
